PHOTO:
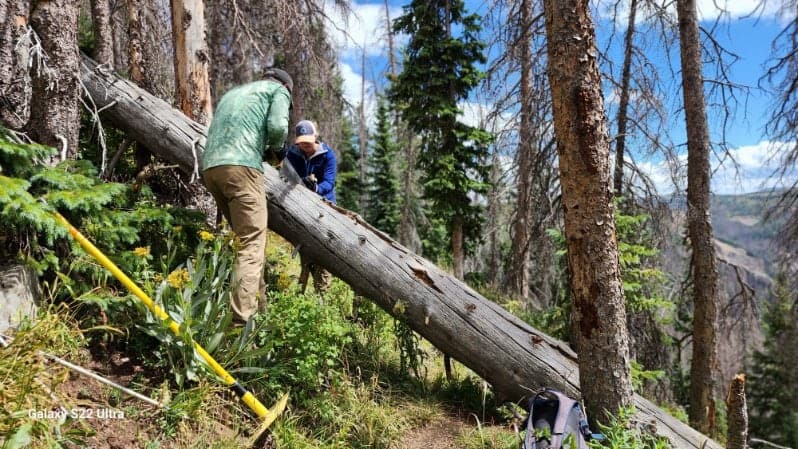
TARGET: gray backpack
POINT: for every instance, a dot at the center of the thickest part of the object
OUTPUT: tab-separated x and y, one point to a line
556	421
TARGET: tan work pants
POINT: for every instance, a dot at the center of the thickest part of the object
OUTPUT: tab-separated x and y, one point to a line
322	279
239	193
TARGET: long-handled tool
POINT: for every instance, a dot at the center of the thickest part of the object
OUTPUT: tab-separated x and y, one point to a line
268	415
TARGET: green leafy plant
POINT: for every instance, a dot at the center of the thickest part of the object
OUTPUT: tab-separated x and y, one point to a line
622	433
196	295
305	340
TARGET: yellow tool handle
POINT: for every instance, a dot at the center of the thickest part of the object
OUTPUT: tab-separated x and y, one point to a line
248	398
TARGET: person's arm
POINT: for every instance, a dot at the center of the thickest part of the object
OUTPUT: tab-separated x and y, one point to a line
277	120
327	183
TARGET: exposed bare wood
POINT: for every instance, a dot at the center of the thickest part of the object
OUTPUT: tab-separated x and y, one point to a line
736	410
191	60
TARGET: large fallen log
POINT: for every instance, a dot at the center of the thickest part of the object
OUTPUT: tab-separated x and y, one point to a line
513	357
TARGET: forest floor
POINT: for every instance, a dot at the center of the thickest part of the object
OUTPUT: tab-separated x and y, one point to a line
110	419
440	434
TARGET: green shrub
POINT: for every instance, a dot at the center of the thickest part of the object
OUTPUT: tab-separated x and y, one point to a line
305	340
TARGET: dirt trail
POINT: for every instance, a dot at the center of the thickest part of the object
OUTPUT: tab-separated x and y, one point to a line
443	433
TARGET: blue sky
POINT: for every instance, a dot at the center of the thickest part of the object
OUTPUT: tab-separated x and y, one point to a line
750	37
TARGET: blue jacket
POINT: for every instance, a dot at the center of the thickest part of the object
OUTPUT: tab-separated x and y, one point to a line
322	164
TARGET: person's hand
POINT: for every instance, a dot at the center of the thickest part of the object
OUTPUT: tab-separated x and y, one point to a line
310	182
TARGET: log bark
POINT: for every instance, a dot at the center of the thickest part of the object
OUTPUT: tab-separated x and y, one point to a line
514	357
15	83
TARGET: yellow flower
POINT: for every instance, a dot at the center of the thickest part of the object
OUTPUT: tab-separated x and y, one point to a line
205	235
157	278
142	251
178	278
283	281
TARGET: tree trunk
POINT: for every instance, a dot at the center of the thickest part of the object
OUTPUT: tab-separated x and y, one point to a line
389	34
623	105
54	110
458	252
519	271
14	85
191	60
699	226
192	87
507	352
138	64
103	39
737	435
495	251
139	68
362	131
599	316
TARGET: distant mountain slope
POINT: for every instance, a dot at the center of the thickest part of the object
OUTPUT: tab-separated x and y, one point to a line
747	253
739	223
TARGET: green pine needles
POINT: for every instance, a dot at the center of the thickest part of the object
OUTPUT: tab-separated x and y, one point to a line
384	199
772	384
440	70
110	214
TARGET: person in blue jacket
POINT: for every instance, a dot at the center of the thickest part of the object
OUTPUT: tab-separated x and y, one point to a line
314	162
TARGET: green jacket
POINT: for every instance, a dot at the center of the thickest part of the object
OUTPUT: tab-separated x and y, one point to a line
249	120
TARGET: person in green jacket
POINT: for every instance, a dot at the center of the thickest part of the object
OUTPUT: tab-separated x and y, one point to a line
250	125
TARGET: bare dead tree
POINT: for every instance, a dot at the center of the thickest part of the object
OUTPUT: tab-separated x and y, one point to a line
623	107
704	262
193	92
737	435
782	77
518	87
247	36
583	146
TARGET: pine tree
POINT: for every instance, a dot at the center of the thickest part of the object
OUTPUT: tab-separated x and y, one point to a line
349	185
384	200
439	70
773	385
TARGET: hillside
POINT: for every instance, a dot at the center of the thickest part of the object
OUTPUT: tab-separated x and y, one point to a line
745	236
748	262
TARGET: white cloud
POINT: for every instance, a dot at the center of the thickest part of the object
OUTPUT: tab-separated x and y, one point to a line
352	83
707	9
366	26
352	86
711	9
754	170
756	165
472	114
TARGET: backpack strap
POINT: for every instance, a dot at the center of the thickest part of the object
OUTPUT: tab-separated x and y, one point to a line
529	439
